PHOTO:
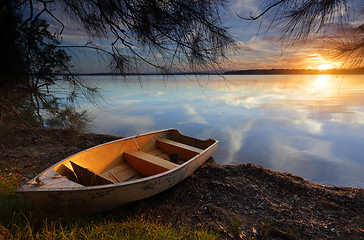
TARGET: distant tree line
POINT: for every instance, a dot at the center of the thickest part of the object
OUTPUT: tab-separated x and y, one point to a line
295	71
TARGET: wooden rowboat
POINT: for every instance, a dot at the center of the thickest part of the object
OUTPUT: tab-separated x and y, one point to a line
112	174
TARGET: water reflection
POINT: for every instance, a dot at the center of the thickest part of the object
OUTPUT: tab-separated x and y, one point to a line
312	126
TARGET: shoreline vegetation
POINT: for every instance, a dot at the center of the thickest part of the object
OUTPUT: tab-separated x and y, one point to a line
243	201
335	71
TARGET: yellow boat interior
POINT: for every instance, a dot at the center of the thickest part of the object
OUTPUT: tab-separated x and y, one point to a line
131	158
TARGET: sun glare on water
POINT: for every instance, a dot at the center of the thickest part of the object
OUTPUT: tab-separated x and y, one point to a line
321	82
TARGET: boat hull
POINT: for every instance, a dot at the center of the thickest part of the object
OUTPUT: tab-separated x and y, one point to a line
93	199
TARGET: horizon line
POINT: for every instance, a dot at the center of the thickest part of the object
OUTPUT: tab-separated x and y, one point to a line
273	71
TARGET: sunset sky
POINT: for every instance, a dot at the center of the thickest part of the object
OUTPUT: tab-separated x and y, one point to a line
258	48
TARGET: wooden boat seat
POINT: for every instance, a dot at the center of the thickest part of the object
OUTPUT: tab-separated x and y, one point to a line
148	164
184	151
65	170
86	177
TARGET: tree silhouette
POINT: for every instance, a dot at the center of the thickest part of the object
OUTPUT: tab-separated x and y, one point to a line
31	59
12	67
168	35
300	20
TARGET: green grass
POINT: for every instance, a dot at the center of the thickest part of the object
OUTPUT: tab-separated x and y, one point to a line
23	222
104	229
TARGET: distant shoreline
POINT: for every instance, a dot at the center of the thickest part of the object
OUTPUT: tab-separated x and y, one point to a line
354	71
297	72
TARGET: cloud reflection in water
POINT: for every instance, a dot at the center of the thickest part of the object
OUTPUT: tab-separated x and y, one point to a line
309	125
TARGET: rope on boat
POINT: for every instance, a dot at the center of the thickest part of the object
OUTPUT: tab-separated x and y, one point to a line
136	144
39	182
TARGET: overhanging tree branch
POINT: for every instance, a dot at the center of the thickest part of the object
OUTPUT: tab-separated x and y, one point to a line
299	21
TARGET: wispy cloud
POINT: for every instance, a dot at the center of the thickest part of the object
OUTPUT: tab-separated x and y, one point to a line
236	138
108	120
194	115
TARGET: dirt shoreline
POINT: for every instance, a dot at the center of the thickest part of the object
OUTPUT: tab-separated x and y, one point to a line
241	201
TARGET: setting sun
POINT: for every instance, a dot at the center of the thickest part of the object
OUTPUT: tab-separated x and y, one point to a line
324	66
318	62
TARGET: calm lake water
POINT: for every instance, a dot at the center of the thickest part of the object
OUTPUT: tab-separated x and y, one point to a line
311	126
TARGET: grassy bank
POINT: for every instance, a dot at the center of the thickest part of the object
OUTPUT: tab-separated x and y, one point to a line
19	221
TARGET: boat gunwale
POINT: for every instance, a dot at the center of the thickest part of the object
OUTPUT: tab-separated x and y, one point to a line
25	188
